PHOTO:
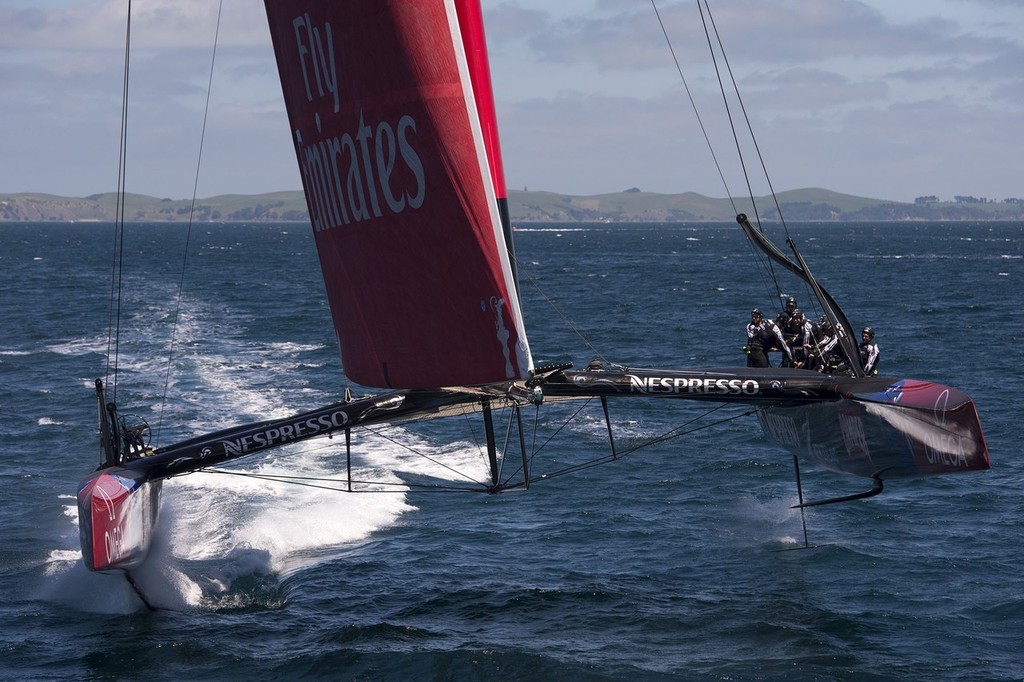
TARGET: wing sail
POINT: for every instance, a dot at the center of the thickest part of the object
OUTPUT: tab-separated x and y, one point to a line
400	191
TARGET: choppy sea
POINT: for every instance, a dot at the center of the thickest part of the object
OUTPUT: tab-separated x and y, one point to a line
681	562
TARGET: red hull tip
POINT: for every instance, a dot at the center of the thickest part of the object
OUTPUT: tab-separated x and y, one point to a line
116	517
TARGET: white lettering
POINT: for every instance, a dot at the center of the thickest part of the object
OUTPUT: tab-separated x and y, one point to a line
311	48
411	158
346	176
113	544
285	433
942	446
678	385
365	133
946	449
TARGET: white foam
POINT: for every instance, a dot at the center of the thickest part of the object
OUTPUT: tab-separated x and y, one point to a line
772	520
69	582
217	528
216	514
82	346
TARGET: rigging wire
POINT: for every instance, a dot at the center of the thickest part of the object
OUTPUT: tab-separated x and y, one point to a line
379	486
750	128
429	458
728	109
766	263
536	450
714	156
757	148
709	25
693	104
766	266
812	295
735	136
523	272
188	230
116	266
815	292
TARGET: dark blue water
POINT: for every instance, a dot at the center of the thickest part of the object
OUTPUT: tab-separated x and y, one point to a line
662	566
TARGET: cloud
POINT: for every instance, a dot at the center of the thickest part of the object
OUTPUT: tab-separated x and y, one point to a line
101	25
856	92
823	80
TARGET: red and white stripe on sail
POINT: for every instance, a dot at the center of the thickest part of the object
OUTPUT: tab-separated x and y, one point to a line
401	195
471	26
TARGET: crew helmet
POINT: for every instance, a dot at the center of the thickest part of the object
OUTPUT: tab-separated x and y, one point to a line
869	332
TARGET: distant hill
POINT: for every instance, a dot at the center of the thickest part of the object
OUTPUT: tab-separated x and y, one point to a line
797	205
275	206
631	205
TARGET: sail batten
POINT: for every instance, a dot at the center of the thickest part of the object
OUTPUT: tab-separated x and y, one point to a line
399	184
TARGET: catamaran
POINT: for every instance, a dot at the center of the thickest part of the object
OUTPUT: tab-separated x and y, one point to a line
393	122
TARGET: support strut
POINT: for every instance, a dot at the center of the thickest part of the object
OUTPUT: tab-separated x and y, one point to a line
522	446
875	489
492	449
348	456
608	423
800	497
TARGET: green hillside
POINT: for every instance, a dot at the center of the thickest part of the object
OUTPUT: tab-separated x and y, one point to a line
631	205
803	204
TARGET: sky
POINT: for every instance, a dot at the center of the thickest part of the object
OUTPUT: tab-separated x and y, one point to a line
888	99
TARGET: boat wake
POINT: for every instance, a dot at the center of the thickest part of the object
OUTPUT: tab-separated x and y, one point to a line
229	541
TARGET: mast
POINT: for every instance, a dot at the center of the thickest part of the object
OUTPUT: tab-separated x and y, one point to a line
475	42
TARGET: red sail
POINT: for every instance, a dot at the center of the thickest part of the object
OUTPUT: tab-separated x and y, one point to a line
472	24
400	194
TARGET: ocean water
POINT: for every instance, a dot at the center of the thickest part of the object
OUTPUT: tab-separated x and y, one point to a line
682	561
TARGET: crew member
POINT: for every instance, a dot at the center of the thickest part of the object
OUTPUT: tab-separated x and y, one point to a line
869	352
783	318
799	337
763	335
821	354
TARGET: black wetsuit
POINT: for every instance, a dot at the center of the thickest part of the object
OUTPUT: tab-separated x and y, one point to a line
822	354
869	355
760	338
799	335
